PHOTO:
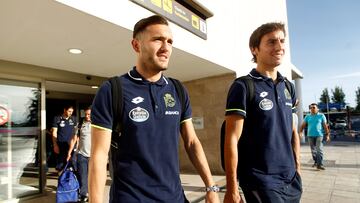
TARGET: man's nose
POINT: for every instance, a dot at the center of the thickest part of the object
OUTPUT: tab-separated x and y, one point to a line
279	45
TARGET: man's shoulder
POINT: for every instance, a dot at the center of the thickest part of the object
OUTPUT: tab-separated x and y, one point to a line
57	118
320	115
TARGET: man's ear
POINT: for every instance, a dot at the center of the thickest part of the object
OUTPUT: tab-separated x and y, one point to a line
252	49
135	44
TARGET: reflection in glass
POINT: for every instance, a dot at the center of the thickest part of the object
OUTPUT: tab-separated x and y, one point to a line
19	134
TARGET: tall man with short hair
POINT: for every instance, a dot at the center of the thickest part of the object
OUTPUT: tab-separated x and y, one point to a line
146	163
261	143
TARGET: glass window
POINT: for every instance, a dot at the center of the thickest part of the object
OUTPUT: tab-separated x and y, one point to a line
19	134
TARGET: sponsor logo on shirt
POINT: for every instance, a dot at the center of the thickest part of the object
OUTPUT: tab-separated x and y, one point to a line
263	94
266	104
169	100
172	113
137	100
139	114
62	124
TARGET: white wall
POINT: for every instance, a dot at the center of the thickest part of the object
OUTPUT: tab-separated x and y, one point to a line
228	30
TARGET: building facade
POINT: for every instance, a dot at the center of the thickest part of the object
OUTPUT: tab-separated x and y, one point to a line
38	74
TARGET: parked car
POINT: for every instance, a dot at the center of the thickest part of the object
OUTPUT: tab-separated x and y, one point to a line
355	125
340	124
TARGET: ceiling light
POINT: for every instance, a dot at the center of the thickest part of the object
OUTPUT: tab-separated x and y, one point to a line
94	87
75	51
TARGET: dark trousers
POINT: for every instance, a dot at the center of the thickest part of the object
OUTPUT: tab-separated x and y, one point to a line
290	193
82	167
61	157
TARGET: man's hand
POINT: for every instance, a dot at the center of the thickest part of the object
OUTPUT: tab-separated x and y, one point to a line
328	137
233	197
212	197
68	157
56	149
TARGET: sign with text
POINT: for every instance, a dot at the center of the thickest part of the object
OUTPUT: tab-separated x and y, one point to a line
177	14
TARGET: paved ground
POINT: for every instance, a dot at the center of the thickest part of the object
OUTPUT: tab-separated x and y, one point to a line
339	183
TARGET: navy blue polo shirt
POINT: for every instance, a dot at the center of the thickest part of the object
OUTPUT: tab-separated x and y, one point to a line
147	163
65	128
265	151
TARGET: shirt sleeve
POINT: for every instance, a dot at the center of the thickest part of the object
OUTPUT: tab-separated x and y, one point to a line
323	118
236	99
55	122
306	119
188	111
101	109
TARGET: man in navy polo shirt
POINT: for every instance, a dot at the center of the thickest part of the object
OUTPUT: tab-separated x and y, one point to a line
146	162
262	145
63	129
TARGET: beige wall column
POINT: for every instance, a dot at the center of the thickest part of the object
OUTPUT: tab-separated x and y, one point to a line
208	99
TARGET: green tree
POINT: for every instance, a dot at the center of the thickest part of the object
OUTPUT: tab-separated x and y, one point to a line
338	95
325	98
34	106
357	93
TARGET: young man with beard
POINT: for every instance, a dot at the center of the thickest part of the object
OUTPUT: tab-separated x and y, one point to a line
146	162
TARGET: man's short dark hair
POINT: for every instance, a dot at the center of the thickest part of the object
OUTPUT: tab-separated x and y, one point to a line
313	104
142	24
67	107
264	29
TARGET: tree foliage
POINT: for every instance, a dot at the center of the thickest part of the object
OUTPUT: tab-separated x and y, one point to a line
34	106
338	95
357	93
325	98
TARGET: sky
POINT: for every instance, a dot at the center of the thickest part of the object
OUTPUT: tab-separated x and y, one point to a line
325	46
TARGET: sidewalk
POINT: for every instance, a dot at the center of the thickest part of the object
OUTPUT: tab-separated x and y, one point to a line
339	183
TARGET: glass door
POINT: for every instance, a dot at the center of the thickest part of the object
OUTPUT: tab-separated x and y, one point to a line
19	139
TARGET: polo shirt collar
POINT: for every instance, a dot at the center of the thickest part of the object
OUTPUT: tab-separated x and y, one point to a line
64	118
256	75
135	75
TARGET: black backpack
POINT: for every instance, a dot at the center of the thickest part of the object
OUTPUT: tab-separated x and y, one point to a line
249	83
117	105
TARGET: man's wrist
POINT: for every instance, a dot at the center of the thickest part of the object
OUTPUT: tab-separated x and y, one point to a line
213	188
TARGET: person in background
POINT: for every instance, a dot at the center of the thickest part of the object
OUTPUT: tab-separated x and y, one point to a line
63	129
316	126
262	147
83	138
146	163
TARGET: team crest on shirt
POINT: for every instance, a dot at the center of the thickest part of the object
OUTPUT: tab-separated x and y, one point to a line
287	94
62	124
139	114
266	104
169	100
